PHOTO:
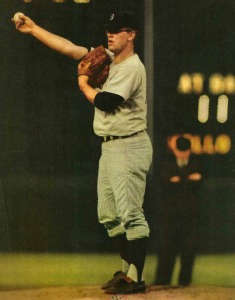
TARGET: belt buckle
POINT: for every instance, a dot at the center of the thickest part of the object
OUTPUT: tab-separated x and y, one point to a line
111	138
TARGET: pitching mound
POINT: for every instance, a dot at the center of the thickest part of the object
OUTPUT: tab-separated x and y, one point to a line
95	293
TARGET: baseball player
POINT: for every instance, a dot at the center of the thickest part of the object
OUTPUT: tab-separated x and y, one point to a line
120	121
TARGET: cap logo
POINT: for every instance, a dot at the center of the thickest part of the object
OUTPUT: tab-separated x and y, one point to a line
111	17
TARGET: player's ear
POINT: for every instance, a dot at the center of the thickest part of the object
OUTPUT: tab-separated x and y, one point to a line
132	35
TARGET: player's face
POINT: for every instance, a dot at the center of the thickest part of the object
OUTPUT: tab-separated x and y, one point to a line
117	41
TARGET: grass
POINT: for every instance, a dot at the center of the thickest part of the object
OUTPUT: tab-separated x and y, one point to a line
40	270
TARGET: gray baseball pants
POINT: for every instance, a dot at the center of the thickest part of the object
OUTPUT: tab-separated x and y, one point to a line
123	167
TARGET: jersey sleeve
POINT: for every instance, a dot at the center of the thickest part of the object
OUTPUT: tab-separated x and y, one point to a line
124	82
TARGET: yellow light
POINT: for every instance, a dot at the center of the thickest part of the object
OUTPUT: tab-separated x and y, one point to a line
222	109
27	1
185	84
196	146
198	80
58	1
203	109
222	144
171	141
229	84
216	83
208	146
81	1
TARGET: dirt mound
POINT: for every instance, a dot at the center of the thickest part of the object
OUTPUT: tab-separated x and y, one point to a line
95	293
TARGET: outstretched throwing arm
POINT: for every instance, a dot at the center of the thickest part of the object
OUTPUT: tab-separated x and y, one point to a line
25	25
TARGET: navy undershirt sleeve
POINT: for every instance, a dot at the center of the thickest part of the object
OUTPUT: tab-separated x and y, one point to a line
108	102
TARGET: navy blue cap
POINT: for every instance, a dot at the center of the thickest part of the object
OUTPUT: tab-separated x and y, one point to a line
120	20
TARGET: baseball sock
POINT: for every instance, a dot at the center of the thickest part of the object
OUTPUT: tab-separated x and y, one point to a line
123	249
137	250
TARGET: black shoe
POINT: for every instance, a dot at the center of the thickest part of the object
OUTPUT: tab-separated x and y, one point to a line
114	281
127	286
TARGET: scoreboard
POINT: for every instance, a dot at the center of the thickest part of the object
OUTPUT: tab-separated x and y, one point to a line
213	97
194	83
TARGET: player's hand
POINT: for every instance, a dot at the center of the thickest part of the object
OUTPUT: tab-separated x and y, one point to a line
175	179
23	23
195	176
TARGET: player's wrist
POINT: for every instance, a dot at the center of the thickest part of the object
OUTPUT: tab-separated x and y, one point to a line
34	30
83	82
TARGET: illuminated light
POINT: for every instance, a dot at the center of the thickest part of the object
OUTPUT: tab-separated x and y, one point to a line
229	84
171	141
196	146
58	1
208	146
222	144
81	1
222	109
185	84
198	80
203	109
216	84
27	1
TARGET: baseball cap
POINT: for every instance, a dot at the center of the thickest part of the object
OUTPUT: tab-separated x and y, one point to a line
183	144
120	20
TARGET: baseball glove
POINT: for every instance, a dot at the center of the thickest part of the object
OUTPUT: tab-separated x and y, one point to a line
95	64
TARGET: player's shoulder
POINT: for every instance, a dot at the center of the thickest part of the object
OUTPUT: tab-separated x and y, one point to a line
132	63
136	64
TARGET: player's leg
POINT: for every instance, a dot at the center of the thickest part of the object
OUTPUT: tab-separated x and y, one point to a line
121	244
188	248
108	216
128	181
168	243
166	261
107	213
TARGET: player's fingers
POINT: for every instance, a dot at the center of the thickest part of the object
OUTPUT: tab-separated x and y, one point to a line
18	25
22	17
19	18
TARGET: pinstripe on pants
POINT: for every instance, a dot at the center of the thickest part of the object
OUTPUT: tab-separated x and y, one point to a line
123	167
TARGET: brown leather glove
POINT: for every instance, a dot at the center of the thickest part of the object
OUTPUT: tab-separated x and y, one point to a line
95	64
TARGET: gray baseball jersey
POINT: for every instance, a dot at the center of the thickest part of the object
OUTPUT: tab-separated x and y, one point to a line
127	79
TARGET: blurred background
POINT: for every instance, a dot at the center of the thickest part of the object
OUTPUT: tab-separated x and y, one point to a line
48	151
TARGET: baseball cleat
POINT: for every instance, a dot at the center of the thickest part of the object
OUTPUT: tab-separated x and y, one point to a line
126	286
114	281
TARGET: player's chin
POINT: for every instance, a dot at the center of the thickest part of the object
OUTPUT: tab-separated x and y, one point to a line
111	47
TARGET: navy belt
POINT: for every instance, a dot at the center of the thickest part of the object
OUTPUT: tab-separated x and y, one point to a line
114	137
